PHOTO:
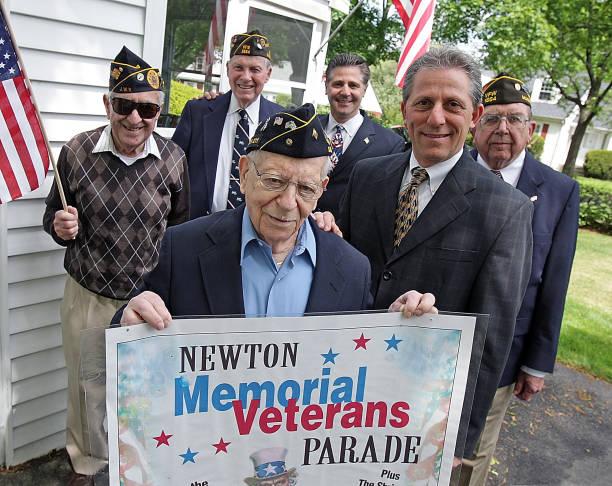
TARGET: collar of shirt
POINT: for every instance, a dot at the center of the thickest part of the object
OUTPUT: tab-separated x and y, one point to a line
252	111
512	172
437	172
350	126
106	144
305	241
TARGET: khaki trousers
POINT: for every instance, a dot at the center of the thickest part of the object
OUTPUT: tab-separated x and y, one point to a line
475	469
80	310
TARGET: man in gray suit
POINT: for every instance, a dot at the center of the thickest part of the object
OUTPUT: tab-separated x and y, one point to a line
432	219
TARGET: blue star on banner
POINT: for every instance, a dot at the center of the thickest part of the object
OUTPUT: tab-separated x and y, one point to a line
330	356
392	343
188	456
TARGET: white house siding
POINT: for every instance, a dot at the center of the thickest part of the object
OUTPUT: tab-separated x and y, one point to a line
66	46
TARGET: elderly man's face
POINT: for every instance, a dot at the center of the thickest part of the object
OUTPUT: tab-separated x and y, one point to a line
131	131
345	89
247	76
277	216
501	145
438	114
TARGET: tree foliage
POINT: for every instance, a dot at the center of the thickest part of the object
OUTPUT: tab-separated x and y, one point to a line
388	94
566	41
375	32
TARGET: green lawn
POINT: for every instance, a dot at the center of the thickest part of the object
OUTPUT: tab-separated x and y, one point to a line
586	334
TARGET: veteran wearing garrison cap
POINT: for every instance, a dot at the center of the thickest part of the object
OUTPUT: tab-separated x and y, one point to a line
124	184
501	137
214	133
267	257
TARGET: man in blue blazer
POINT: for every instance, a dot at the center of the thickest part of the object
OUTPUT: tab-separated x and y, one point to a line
265	258
207	128
431	219
501	137
354	136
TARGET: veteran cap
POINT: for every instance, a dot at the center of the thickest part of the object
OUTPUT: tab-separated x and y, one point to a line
252	43
505	89
296	133
131	74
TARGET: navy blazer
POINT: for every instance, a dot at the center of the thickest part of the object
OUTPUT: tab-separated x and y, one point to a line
199	270
470	247
556	202
371	140
198	133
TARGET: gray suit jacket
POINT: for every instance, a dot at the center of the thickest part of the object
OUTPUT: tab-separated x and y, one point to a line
470	247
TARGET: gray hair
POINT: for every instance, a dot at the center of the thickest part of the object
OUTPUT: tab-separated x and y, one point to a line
446	57
345	60
267	61
162	96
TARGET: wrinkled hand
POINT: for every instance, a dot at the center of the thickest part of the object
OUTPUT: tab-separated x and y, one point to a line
456	462
66	223
527	385
209	95
414	303
326	222
147	307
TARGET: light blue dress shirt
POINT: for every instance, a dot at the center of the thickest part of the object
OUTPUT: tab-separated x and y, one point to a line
271	291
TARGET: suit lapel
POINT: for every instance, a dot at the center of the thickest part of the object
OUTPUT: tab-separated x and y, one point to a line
220	265
530	178
362	140
447	204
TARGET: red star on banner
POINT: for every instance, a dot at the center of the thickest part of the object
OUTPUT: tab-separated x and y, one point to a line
361	342
221	446
162	439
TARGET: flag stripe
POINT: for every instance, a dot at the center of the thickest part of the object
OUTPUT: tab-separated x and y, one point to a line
14	127
9	189
404	9
34	128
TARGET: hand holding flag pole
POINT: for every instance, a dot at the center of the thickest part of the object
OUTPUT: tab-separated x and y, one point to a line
24	147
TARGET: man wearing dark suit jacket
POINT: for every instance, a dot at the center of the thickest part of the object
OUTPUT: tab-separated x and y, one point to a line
207	128
501	137
471	242
354	136
264	258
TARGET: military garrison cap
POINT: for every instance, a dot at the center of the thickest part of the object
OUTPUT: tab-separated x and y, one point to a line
505	89
298	134
131	74
252	43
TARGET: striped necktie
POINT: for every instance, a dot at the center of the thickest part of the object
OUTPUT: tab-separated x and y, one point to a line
337	143
408	206
241	140
497	173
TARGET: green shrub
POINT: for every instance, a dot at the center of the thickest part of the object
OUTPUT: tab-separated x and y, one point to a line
598	164
180	94
595	204
536	146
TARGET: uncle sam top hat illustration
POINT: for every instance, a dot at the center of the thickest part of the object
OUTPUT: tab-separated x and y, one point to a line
269	464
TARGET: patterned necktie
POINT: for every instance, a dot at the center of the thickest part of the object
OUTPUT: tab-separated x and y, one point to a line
408	206
337	143
497	173
241	140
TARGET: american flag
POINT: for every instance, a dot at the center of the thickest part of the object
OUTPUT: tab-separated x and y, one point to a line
24	158
214	34
417	16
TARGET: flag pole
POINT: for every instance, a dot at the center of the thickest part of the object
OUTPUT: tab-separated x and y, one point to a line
42	127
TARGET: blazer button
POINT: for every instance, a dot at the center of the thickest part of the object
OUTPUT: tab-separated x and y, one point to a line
387	275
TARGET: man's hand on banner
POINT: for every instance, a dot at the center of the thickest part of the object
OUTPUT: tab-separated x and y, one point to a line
66	223
414	303
146	307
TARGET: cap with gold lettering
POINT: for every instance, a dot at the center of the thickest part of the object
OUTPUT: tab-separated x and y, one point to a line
504	89
298	134
131	74
252	43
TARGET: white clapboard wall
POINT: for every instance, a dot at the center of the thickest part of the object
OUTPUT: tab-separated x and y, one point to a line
66	46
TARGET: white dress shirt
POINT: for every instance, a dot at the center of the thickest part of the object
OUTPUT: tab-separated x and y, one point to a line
512	172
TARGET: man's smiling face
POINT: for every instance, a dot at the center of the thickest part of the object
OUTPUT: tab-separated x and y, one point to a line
247	76
439	113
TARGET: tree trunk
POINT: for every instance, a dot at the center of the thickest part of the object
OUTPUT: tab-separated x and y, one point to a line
584	119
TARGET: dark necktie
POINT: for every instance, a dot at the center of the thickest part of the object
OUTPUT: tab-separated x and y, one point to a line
408	206
241	140
337	143
497	173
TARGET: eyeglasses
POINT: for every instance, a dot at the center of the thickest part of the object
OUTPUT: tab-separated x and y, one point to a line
512	120
123	106
277	183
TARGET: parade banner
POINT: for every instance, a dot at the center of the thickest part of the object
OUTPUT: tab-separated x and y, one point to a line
368	399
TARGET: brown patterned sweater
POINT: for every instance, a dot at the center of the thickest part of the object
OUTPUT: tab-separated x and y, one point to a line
123	211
